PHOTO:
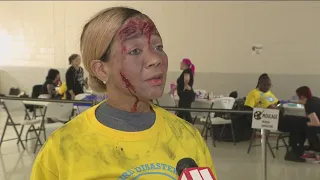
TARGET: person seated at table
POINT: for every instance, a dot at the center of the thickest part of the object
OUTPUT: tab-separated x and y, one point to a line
312	108
302	128
261	76
49	85
261	96
295	125
126	136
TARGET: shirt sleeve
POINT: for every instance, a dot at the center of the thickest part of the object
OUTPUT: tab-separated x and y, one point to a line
45	166
310	107
250	100
70	79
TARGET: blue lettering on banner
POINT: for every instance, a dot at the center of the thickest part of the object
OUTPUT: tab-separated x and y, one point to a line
150	170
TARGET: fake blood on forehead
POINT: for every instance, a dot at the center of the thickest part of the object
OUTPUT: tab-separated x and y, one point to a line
136	27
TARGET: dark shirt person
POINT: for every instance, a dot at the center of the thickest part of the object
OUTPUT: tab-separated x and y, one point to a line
312	107
185	90
49	85
302	127
75	77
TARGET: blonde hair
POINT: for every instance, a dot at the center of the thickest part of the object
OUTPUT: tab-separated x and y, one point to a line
97	38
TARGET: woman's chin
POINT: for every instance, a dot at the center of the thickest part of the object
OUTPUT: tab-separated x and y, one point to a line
153	93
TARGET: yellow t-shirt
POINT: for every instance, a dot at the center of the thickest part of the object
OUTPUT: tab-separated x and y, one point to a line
256	98
86	149
62	90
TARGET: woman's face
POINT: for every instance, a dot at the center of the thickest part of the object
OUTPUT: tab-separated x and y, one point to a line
76	62
182	66
138	62
265	85
302	100
57	78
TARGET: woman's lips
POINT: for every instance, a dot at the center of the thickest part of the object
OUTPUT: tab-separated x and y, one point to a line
156	81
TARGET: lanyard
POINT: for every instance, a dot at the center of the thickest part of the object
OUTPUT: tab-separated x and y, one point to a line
260	99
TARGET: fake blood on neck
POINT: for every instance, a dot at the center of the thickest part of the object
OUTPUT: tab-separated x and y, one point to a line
132	91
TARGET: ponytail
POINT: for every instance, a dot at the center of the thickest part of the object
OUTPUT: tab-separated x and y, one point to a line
192	67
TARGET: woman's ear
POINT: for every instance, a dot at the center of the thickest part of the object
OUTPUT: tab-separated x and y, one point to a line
100	70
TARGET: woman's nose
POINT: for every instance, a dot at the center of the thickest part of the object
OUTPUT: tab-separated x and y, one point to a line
153	59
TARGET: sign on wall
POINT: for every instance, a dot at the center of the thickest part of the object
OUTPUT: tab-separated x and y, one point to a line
257	49
265	119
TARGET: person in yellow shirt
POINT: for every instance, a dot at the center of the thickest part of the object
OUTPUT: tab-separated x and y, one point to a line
261	96
62	90
126	136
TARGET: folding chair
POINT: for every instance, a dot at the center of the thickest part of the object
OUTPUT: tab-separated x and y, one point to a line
58	112
36	89
18	115
223	118
219	118
280	136
201	115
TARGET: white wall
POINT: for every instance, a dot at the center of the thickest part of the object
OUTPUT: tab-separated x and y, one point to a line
217	36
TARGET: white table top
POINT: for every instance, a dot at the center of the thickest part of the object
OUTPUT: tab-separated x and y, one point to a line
293	106
89	91
176	98
294	109
36	103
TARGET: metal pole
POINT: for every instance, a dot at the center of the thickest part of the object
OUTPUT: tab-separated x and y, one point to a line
264	153
207	110
47	100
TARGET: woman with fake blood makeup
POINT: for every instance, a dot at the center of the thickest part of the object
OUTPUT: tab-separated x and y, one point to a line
125	137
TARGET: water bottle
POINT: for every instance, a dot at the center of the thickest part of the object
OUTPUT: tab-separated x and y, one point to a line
172	86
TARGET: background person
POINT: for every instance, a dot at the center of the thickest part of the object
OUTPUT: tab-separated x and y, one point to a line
123	52
312	107
75	77
295	125
185	88
49	85
261	76
262	96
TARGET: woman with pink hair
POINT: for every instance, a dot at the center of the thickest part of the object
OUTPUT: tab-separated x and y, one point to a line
184	88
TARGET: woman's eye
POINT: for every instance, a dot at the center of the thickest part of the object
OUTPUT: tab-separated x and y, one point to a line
135	52
159	47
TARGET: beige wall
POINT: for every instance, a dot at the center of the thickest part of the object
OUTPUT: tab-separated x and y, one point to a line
217	36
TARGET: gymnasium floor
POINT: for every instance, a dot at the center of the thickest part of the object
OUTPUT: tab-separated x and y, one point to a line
232	162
